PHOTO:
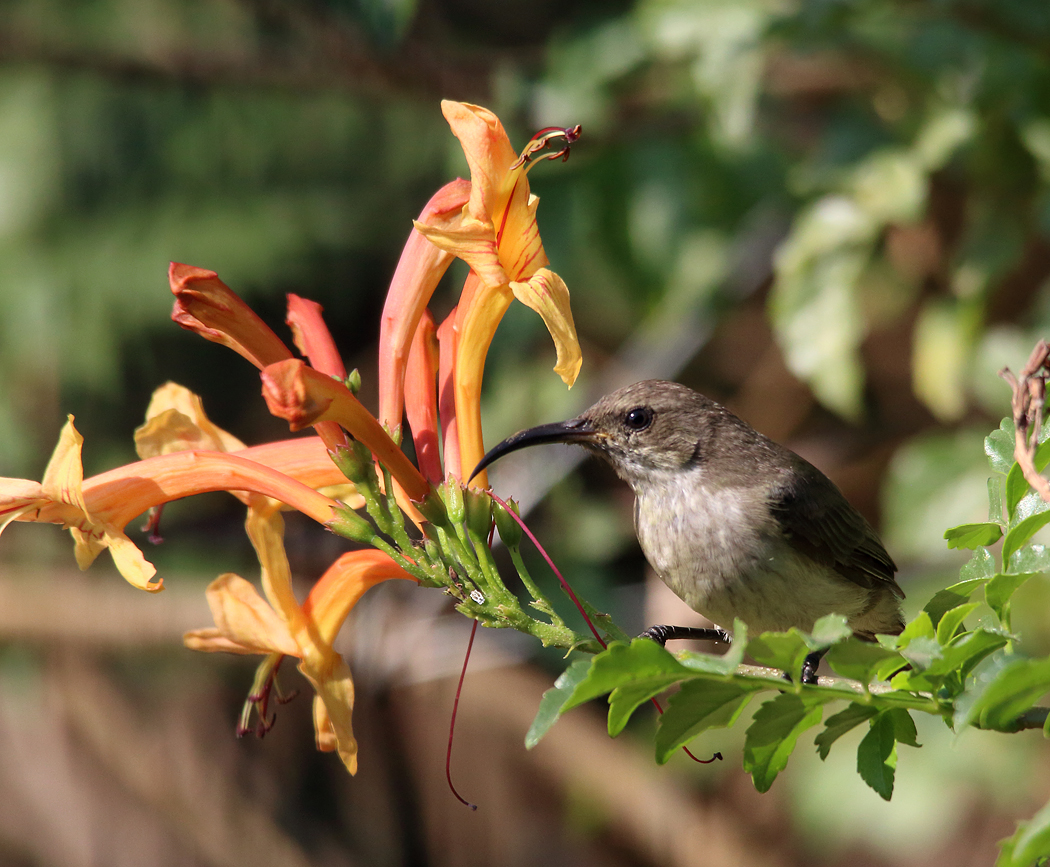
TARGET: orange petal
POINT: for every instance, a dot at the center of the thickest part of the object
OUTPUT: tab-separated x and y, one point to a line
419	270
446	335
206	305
344	582
303	396
421	399
312	337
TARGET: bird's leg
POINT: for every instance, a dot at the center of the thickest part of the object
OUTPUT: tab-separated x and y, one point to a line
809	666
662	634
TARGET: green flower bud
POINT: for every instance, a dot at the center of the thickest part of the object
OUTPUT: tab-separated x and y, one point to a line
349	524
479	511
509	529
452	494
355	462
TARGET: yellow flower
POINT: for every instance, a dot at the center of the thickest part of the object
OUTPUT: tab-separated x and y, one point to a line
490	224
498	237
97	510
278	626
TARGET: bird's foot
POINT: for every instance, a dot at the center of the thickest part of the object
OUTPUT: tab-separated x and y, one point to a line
661	634
809	667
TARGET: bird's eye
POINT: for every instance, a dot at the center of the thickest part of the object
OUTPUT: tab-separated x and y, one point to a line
638	419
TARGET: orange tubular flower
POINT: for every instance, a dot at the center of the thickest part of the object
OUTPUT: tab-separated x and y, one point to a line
278	626
496	234
421	399
303	396
207	306
96	510
419	270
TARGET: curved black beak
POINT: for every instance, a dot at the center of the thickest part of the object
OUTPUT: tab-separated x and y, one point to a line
575	430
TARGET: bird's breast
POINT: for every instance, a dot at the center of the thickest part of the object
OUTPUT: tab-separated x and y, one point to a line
723	553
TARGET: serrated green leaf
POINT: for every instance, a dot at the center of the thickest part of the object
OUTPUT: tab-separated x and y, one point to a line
859	660
1030	844
1016	488
920	626
998	593
784	650
727	663
904	727
952	621
827	631
772	735
877	756
698	706
553	702
995	499
967	650
641	663
837	725
980	565
922	651
999	446
973	535
1016	688
952	597
1030	559
625	700
1023	530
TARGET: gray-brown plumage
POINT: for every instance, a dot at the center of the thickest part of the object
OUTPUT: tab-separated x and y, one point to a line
735	524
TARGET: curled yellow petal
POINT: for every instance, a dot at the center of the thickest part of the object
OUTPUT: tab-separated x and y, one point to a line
64	476
546	293
245	619
176	421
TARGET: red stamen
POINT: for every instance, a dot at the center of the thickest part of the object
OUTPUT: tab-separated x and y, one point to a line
579	606
452	723
554	569
152	525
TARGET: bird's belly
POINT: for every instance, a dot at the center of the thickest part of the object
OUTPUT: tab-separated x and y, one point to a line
725	568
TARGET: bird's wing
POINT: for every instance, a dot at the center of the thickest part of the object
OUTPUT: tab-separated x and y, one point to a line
817	519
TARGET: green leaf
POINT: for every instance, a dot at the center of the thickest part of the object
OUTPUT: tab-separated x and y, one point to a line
973	535
995	499
999	446
952	621
1030	559
859	660
625	700
952	597
698	706
641	663
828	630
837	725
980	565
1021	532
920	626
1016	688
998	593
772	735
784	650
727	663
553	702
877	756
1030	844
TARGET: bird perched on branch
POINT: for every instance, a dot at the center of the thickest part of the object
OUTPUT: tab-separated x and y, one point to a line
735	524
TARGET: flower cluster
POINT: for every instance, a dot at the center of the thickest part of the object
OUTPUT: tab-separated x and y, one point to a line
429	374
